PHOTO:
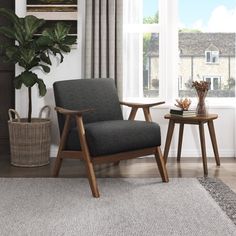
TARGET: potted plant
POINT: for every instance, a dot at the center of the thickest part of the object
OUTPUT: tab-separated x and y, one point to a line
34	46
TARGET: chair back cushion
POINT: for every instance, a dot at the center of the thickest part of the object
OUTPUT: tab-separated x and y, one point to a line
97	94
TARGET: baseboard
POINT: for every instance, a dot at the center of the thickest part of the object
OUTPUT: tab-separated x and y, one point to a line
197	153
173	152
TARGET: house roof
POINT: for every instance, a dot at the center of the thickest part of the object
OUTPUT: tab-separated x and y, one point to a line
195	44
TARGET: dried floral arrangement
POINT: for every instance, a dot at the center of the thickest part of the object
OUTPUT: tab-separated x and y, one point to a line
202	88
183	103
201	85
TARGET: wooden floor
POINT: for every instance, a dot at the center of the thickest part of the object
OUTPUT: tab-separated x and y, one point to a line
142	167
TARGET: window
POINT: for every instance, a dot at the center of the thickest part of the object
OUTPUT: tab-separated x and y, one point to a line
214	81
212	57
185	43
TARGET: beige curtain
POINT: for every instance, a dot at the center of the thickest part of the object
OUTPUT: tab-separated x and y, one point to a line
103	39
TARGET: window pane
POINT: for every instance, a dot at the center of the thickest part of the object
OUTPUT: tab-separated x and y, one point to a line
208	56
150	12
208	80
151	65
150	50
216	83
207	46
140	20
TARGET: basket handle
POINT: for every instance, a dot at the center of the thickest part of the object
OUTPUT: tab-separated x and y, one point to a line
12	111
48	111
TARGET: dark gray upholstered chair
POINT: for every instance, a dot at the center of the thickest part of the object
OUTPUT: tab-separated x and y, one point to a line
92	127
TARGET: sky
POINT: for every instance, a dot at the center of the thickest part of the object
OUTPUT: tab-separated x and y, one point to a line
206	15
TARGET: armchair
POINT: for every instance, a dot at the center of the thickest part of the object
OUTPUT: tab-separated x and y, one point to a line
92	127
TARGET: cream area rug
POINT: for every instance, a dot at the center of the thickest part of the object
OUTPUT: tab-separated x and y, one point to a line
127	206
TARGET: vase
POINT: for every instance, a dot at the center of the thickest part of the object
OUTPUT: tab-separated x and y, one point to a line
201	106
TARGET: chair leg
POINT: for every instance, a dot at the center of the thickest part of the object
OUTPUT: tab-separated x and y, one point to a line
161	165
92	179
57	165
87	158
65	132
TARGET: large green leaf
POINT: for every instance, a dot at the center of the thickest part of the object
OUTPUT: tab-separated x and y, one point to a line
32	25
17	82
12	53
58	33
61	31
64	48
28	78
49	32
20	34
34	62
70	40
44	41
46	59
8	32
42	87
9	14
56	51
45	68
27	55
16	22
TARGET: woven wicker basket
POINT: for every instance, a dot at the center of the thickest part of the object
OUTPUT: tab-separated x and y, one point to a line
29	142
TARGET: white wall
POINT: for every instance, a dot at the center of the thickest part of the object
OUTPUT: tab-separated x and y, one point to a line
71	69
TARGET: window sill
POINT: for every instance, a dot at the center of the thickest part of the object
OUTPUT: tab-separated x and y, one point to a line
216	103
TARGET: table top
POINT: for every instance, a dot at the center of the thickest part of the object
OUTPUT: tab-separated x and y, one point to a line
198	118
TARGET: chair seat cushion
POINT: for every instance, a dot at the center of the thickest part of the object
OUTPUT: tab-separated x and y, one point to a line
110	137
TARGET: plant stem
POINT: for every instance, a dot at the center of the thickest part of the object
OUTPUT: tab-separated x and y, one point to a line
30	105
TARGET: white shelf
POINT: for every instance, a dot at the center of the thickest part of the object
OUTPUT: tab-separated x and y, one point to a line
54	15
50	6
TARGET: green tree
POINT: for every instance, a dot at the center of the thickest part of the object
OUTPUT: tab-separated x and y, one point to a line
147	37
187	30
151	19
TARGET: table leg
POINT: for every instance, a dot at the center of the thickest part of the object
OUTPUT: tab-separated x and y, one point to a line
181	131
203	147
133	113
168	138
147	114
213	141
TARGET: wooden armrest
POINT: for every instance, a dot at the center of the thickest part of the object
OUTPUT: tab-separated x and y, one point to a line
141	105
144	106
72	112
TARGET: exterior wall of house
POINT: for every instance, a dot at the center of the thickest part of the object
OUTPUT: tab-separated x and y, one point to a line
154	65
201	69
184	71
225	69
232	68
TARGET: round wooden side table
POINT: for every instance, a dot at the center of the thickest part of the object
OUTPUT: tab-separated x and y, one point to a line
196	120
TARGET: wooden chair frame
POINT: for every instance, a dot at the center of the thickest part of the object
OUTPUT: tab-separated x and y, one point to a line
84	154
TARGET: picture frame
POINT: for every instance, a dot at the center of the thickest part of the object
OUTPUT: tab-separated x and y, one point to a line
55	10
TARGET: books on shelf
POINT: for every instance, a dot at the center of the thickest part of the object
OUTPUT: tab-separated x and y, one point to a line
178	112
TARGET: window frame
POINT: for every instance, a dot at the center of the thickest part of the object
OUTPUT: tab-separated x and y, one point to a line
212	77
